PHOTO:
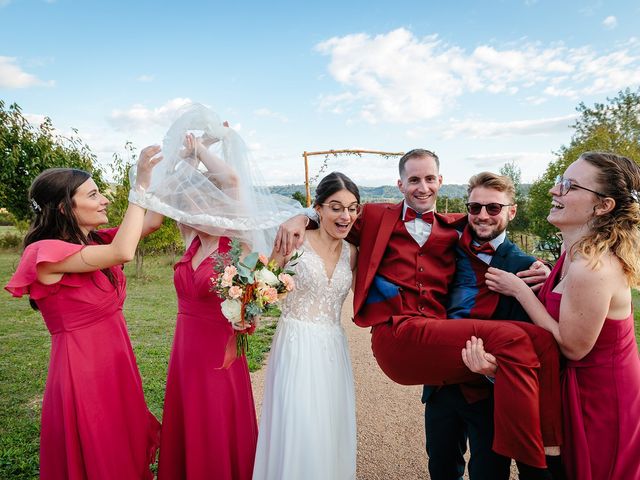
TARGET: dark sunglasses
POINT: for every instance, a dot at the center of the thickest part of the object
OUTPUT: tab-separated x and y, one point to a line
492	209
566	184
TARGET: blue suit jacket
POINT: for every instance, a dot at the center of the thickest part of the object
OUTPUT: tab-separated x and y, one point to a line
507	257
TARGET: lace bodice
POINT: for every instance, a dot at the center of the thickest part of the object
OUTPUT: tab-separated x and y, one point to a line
317	298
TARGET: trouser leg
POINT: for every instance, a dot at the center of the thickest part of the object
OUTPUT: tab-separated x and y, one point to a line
445	434
417	350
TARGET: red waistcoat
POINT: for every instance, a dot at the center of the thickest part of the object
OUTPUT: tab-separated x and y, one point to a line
386	248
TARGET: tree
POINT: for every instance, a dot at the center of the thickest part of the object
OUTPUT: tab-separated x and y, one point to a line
613	126
25	151
520	225
300	197
446	204
166	239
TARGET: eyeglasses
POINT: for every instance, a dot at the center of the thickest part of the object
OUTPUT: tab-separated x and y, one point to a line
492	209
567	184
336	207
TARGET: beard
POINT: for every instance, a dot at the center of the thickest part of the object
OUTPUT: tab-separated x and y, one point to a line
487	236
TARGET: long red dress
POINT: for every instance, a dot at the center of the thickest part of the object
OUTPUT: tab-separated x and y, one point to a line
95	422
209	426
600	400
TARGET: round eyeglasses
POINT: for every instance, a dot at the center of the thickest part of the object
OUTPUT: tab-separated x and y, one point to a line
336	207
493	209
567	184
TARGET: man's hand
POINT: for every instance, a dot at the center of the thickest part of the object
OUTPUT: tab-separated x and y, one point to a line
535	276
291	235
477	360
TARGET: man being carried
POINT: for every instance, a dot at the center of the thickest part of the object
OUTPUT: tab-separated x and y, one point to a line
406	264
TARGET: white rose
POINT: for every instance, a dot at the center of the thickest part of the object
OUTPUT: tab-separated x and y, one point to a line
231	310
267	276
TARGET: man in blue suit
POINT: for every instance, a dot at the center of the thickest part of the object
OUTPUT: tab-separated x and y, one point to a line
457	413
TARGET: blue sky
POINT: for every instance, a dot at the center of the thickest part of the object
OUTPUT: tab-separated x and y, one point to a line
479	82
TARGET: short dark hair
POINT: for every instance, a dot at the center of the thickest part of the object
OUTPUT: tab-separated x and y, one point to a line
332	183
417	153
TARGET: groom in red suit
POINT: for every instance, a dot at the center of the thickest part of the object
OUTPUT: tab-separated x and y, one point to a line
406	263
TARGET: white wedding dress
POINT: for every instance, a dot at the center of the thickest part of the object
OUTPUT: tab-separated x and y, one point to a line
308	424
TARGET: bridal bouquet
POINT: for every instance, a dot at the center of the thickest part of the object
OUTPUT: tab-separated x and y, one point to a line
250	288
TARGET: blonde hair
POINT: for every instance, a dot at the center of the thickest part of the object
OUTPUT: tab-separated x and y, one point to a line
616	231
500	183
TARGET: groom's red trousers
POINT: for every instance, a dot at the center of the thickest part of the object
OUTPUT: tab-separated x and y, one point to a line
415	350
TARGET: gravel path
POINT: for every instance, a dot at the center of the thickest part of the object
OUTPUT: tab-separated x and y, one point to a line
390	417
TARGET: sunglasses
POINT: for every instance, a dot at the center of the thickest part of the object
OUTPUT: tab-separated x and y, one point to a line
492	209
336	207
566	184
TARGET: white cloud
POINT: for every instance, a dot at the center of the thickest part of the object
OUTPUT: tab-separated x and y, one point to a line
399	78
486	129
35	119
140	118
4	3
610	22
12	76
145	78
265	112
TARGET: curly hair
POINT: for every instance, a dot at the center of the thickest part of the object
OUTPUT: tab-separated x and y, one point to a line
617	231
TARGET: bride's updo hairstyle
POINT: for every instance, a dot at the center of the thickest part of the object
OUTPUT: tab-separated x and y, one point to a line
618	230
332	183
51	199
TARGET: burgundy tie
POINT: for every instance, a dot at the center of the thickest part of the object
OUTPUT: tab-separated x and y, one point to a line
411	214
484	248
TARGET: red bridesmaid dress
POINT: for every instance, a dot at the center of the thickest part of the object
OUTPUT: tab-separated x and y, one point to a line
95	422
600	400
209	427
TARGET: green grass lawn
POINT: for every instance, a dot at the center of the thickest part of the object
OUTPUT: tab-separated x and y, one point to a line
150	311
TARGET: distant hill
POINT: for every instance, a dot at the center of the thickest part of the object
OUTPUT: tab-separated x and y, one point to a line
385	192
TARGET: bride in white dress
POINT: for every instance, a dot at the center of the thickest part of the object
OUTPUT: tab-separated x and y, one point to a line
308	424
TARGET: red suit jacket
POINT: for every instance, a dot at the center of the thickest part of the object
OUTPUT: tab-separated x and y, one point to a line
372	232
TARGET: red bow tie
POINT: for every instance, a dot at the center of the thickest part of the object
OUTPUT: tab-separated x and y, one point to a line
411	214
484	248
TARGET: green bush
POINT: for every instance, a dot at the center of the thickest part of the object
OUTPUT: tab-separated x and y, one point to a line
10	241
6	219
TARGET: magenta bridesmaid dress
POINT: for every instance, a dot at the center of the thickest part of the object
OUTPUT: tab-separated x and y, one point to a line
600	400
209	426
95	422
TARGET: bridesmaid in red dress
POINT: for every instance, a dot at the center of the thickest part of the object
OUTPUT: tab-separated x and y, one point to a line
209	422
95	422
209	426
586	305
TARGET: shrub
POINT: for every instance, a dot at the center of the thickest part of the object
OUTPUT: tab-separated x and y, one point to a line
10	240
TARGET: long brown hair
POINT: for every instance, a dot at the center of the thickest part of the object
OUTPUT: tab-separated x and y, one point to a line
617	231
51	198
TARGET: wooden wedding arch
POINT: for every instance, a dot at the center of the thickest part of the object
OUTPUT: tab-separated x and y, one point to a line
335	153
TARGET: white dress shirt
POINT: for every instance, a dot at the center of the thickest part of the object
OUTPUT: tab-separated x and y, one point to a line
418	228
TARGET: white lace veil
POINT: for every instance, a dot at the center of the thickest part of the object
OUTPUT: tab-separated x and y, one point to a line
215	202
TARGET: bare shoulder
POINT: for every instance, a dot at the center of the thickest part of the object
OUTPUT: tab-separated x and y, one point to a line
607	268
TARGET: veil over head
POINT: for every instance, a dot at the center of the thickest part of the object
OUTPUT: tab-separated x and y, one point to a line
227	197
